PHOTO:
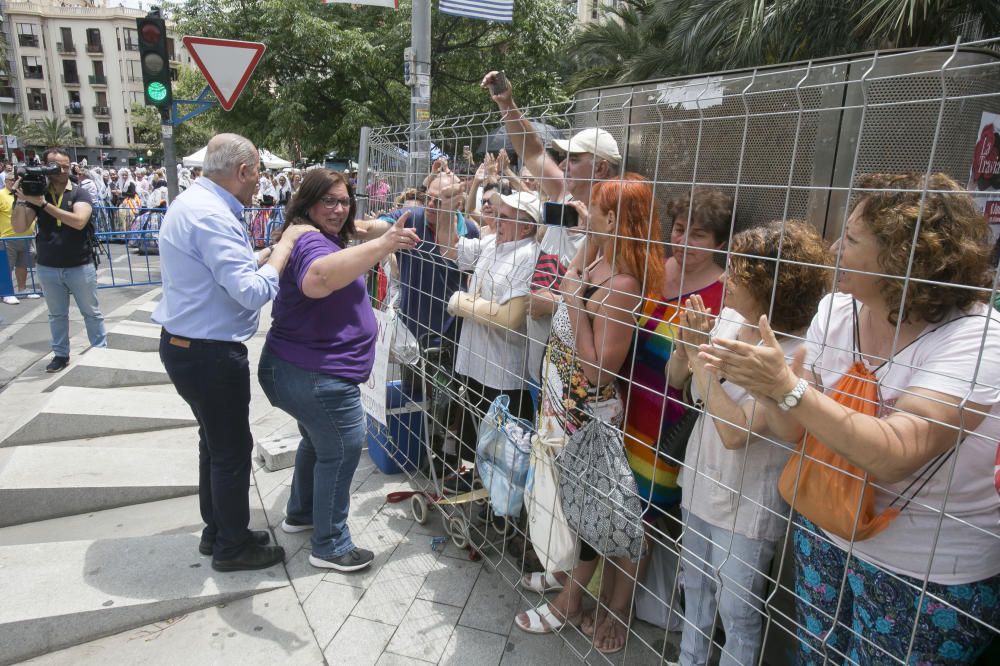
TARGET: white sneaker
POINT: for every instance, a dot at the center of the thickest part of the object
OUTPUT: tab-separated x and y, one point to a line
32	297
11	300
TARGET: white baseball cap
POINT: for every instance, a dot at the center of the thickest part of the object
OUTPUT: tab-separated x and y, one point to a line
592	140
526	202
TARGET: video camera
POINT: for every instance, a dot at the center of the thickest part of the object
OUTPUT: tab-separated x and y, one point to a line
34	179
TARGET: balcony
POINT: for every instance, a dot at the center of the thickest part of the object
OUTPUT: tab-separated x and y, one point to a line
131	46
101	111
97	80
6	94
66	47
33	73
80	137
74	110
38	104
103	139
71	79
95	49
28	40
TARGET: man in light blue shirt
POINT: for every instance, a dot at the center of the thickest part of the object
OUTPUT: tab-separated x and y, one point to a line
213	289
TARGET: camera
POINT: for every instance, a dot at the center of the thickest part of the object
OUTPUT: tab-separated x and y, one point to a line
34	179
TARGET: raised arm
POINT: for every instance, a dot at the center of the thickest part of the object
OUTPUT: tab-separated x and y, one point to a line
337	270
526	142
924	423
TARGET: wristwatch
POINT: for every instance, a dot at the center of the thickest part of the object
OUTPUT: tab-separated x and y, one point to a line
793	397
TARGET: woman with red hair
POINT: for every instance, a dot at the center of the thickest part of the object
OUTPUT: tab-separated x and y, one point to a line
620	264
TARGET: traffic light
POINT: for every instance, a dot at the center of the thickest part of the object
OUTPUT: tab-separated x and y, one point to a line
154	60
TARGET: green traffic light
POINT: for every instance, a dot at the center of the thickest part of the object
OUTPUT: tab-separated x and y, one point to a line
157	91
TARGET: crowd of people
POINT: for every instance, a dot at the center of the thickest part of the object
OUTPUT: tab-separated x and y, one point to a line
762	384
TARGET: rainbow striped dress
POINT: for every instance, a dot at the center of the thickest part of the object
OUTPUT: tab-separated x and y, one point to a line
648	412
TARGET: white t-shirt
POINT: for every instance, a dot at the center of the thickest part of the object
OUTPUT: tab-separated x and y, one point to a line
736	489
953	358
495	357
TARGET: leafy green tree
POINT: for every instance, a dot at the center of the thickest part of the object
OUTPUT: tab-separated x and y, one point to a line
645	39
330	69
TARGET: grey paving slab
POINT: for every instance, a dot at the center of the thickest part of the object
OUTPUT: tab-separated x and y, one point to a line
451	583
327	607
530	650
265	629
134	336
388	597
304	576
359	642
492	604
424	631
173	516
268	481
392	659
185	439
472	646
111	368
76	413
40	482
115	591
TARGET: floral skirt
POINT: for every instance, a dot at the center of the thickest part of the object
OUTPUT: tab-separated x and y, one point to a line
875	621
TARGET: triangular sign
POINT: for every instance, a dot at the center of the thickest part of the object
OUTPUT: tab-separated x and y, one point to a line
226	63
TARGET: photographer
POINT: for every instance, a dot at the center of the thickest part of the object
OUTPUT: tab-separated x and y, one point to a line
65	245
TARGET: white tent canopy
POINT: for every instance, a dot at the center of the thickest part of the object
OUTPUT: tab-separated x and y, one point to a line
268	159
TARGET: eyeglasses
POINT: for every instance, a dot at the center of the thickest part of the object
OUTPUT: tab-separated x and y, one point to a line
331	203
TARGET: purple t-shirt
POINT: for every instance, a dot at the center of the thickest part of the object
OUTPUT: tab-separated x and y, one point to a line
334	335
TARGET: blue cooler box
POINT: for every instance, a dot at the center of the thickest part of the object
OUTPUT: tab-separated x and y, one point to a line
402	447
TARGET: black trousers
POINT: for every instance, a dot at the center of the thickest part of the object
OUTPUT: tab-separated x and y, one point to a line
213	378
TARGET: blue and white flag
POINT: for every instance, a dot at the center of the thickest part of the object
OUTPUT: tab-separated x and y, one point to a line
486	10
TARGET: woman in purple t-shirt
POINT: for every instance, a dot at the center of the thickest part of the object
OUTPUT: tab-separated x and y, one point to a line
320	347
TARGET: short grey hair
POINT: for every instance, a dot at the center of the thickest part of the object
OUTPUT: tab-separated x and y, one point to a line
226	152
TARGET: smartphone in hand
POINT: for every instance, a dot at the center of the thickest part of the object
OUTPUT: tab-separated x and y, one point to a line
499	84
560	215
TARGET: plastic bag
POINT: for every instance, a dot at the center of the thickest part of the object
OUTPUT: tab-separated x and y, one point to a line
654	596
404	348
503	455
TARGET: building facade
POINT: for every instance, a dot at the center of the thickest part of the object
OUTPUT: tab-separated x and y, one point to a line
77	60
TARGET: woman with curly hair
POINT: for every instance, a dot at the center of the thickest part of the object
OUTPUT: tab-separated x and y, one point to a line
913	573
733	516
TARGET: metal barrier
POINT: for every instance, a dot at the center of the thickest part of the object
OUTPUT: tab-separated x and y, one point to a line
128	245
781	143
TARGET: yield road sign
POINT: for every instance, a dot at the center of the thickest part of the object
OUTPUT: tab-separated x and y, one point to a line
226	63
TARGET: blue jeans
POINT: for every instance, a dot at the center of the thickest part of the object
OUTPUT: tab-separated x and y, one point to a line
712	555
332	424
80	282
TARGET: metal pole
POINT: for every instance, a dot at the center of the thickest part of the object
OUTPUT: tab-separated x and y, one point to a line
361	189
169	153
3	133
420	93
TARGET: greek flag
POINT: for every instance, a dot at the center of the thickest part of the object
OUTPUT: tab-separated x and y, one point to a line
487	10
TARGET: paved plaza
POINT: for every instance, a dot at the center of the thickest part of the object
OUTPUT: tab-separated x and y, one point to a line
99	536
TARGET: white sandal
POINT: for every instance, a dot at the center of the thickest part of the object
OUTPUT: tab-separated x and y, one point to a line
541	582
541	620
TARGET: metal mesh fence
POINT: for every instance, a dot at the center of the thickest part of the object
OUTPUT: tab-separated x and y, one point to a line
630	407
